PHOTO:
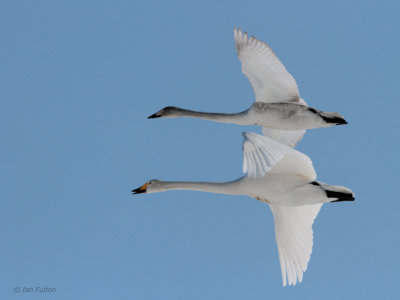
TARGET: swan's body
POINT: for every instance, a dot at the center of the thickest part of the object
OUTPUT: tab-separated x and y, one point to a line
277	115
275	189
283	178
278	105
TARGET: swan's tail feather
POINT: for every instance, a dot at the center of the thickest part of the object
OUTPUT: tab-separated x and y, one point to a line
340	196
332	118
336	193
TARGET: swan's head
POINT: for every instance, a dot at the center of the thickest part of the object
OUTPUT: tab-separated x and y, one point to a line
152	186
166	112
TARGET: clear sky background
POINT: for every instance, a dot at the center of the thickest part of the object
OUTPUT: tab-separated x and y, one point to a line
77	82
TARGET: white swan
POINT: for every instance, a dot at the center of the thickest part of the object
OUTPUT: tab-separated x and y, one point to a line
283	178
278	106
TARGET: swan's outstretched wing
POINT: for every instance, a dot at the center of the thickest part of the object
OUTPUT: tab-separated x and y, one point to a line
294	237
260	153
269	78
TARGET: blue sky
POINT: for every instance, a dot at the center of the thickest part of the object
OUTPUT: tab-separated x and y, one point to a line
78	80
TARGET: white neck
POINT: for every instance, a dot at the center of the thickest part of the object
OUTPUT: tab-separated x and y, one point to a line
237	118
231	187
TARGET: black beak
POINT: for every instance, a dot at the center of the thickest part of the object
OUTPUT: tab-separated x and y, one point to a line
153	116
138	191
160	113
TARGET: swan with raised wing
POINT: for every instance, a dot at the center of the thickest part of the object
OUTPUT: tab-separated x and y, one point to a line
278	106
285	179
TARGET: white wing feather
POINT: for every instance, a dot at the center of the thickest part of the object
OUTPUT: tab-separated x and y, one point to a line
295	163
260	153
294	237
287	137
269	78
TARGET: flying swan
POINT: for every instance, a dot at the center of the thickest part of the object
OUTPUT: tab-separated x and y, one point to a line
285	179
278	106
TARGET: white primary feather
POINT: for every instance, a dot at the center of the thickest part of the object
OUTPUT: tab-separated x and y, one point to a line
294	237
260	153
269	78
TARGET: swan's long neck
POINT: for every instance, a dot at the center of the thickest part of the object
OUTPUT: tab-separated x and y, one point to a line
231	187
237	118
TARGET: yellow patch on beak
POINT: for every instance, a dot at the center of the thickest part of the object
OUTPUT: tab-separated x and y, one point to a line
143	188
